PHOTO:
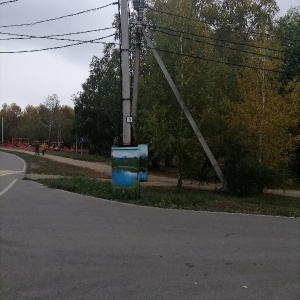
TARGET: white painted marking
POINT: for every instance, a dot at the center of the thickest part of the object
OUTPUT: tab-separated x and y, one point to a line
24	164
8	187
9	172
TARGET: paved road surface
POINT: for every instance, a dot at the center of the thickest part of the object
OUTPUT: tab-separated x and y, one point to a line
59	245
12	168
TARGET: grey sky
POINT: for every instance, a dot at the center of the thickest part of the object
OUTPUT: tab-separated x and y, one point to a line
29	78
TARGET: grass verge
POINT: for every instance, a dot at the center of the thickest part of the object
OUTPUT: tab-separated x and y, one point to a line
38	164
87	182
183	198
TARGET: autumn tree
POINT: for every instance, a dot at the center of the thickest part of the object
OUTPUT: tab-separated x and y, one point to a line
31	125
49	115
187	49
260	120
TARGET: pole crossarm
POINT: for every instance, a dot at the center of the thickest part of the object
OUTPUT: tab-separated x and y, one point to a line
185	110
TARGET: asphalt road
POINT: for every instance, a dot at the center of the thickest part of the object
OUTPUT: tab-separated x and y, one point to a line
12	168
59	245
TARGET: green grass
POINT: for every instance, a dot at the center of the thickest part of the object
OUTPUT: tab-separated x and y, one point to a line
87	182
38	164
182	198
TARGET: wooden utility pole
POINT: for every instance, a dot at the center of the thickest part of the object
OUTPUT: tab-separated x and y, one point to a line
126	100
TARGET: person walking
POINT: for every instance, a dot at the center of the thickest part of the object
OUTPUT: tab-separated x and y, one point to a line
37	148
43	148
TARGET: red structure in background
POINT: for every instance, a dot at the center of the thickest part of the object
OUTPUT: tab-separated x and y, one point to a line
56	146
23	143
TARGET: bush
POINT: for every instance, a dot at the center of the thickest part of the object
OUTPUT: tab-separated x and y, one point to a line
245	175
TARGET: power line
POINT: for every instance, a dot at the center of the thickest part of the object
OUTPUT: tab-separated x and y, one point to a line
26	36
221	62
62	17
7	2
224	40
224	46
60	47
222	26
52	37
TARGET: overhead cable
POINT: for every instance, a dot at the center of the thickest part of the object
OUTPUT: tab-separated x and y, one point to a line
60	47
62	17
7	2
221	62
225	40
226	47
52	37
26	36
222	26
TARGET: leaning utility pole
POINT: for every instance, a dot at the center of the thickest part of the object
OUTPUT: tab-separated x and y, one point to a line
185	110
138	5
126	101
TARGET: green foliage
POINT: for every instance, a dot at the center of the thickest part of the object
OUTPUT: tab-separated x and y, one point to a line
258	106
126	194
245	174
81	185
289	27
11	120
98	107
48	121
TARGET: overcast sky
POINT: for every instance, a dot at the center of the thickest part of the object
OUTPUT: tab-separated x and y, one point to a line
28	78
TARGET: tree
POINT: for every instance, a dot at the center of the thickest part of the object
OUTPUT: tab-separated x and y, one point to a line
170	136
259	154
289	28
65	123
98	107
30	125
11	120
49	115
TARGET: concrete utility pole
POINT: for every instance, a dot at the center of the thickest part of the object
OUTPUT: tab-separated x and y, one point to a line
185	110
126	101
2	130
138	5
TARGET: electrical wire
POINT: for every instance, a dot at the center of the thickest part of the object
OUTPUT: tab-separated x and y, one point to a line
228	47
62	17
224	40
60	47
222	26
7	2
220	62
26	36
52	37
